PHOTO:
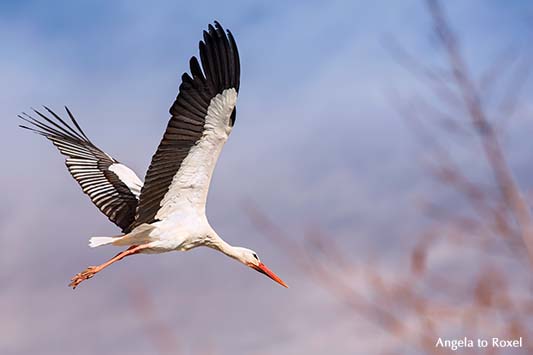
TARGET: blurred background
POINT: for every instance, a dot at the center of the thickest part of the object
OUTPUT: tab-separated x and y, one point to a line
380	164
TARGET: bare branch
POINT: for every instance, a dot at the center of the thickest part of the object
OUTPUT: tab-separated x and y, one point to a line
489	140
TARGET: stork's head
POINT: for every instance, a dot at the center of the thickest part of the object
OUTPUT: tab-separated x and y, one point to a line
249	258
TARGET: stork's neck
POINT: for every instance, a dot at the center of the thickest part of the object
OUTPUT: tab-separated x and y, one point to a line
221	245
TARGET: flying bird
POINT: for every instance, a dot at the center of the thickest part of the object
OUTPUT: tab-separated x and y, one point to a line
167	211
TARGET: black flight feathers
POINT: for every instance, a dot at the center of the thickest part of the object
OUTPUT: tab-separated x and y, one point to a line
219	70
88	165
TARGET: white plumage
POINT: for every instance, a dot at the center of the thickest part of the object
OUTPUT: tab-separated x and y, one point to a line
128	177
187	193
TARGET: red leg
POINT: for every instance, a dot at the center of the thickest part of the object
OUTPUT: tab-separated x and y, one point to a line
93	270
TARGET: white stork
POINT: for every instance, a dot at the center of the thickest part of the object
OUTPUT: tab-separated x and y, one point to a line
167	212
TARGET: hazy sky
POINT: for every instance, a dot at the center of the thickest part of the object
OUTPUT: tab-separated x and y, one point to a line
316	143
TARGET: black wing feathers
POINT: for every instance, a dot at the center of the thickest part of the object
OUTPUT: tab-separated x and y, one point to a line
88	165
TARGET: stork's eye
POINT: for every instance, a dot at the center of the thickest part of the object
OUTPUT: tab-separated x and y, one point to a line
255	256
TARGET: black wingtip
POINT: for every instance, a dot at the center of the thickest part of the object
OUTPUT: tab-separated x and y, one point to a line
219	58
218	26
53	125
206	36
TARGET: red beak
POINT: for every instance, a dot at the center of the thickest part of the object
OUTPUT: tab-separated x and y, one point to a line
264	270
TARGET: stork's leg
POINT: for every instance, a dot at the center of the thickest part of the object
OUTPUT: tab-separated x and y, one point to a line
92	270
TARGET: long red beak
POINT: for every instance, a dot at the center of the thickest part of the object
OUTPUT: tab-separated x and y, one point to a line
264	270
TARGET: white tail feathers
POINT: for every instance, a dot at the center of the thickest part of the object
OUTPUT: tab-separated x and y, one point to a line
99	241
140	235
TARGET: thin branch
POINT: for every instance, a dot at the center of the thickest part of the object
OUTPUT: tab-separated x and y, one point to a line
489	140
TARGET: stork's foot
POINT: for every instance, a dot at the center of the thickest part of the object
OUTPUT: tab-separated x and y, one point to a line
84	275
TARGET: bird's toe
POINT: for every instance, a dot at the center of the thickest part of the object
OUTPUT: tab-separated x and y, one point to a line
82	276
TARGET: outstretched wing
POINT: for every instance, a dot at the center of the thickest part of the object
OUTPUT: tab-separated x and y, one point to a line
113	187
202	117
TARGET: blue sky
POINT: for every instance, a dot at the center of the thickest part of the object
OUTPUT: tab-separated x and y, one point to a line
317	142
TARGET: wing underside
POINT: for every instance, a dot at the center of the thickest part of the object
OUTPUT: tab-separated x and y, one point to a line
111	186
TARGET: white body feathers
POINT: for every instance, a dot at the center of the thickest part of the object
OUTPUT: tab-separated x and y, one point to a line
182	221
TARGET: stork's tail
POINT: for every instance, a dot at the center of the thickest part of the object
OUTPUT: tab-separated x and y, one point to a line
139	235
99	241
